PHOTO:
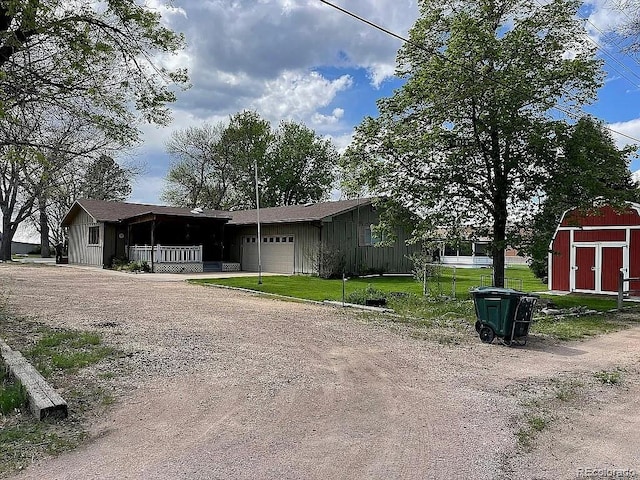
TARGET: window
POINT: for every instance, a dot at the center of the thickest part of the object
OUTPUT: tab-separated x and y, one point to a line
290	239
94	235
367	237
482	250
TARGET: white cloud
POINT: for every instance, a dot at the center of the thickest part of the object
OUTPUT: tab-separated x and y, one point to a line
628	129
297	96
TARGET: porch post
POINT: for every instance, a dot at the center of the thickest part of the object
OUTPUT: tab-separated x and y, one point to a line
153	229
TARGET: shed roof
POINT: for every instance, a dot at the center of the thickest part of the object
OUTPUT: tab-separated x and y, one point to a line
297	213
103	211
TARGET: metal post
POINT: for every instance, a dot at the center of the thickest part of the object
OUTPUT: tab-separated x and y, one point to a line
620	289
344	281
258	217
453	284
424	280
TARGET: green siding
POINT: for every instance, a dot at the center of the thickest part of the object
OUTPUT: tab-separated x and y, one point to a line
340	234
343	234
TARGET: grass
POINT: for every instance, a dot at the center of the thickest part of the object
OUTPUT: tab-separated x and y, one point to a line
609	378
12	394
67	350
404	295
314	288
63	357
576	328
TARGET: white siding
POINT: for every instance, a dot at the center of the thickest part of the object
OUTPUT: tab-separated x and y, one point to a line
80	253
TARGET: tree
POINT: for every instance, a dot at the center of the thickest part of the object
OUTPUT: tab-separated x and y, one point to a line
468	137
590	168
245	142
90	58
214	165
97	62
200	176
628	31
105	179
97	176
299	167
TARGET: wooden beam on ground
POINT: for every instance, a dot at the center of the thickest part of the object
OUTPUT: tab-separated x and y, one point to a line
44	401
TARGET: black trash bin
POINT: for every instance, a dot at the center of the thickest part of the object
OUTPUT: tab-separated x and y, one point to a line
503	313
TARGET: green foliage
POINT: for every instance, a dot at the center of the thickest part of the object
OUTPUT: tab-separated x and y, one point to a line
124	265
609	378
214	165
361	296
298	168
468	139
74	78
590	170
105	179
314	288
12	394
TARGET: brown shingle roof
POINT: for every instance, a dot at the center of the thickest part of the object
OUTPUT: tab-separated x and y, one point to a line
297	213
103	211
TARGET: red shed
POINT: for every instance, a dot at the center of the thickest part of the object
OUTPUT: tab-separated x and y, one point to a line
589	251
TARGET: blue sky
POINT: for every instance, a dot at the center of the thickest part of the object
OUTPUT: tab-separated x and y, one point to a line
303	60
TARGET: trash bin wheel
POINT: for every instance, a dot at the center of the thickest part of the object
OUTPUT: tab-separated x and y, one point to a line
486	334
478	325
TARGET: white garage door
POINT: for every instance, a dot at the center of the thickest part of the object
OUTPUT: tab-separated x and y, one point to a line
276	252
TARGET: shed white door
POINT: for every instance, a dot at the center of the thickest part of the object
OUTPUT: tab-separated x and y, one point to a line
277	252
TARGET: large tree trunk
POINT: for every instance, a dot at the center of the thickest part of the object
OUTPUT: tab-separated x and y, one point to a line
7	237
45	251
498	246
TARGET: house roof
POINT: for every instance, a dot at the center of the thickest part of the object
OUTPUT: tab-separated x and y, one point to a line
297	213
103	211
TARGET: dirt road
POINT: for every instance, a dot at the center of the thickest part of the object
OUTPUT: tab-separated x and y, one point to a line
228	385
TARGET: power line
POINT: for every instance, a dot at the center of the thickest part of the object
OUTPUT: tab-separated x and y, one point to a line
445	58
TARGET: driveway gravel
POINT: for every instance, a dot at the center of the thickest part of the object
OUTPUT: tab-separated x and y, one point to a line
219	384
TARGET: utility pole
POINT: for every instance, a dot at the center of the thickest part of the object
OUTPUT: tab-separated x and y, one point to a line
258	216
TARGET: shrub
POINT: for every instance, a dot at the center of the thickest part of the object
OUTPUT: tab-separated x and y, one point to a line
361	296
329	262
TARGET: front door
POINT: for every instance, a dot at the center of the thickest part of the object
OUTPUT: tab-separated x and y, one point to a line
585	268
612	262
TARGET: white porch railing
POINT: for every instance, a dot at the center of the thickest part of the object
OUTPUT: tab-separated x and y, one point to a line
164	254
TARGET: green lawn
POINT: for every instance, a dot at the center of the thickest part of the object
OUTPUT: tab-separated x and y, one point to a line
314	288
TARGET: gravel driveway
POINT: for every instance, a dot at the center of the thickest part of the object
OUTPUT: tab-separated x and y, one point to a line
228	385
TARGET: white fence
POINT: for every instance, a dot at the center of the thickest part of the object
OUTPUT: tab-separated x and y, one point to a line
164	254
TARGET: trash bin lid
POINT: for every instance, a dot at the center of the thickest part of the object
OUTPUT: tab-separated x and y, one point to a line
497	291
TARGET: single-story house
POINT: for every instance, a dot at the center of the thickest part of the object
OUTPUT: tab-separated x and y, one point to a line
169	239
588	252
173	239
291	237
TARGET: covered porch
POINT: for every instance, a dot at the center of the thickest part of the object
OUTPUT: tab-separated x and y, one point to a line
176	243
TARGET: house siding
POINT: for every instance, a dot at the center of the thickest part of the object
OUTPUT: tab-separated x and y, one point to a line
306	240
343	233
80	253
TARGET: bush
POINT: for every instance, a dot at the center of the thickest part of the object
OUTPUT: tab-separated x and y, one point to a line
124	266
361	296
329	262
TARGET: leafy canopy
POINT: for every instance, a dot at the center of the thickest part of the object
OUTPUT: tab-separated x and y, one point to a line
467	140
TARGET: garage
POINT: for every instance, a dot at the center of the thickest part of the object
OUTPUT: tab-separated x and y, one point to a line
276	251
588	252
